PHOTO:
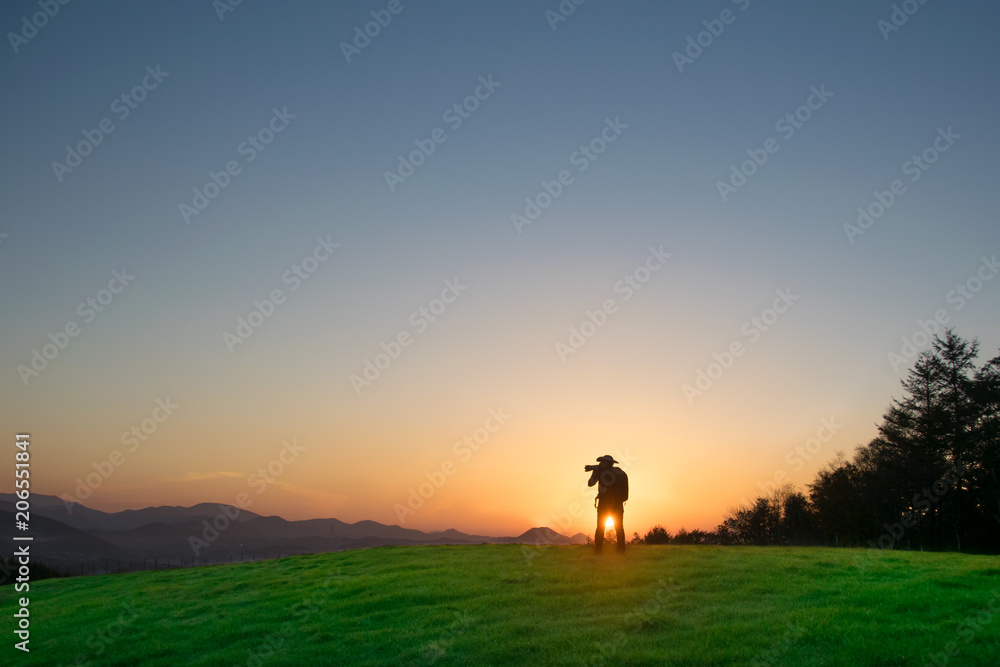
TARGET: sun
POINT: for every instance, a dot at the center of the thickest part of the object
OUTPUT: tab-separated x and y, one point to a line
609	524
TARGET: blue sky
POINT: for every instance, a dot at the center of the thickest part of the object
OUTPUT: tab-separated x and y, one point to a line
324	175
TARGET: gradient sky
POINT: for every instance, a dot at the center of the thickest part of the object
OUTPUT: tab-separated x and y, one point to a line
495	346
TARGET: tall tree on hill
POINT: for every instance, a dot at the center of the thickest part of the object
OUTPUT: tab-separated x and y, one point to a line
930	477
954	361
984	471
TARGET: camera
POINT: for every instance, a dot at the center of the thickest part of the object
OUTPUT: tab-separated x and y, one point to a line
591	468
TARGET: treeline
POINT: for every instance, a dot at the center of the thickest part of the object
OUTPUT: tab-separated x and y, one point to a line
660	535
929	480
10	572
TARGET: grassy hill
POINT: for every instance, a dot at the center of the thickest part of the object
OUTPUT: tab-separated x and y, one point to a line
511	604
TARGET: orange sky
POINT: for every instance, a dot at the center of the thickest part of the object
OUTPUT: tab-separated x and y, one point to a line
521	465
357	455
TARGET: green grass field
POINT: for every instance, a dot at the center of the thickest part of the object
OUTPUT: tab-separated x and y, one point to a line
508	604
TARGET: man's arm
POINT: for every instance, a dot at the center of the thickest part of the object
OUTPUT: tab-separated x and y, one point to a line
623	480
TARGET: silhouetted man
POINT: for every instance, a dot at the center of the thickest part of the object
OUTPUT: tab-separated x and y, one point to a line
612	492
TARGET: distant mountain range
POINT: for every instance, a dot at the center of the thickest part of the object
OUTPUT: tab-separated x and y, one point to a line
72	532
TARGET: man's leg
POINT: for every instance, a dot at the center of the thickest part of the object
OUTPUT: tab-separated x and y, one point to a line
620	527
599	535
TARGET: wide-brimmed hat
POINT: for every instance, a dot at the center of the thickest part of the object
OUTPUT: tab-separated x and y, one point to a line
607	458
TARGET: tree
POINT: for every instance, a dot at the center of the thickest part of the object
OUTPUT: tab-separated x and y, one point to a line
764	520
796	518
657	535
954	359
833	496
682	537
930	478
984	467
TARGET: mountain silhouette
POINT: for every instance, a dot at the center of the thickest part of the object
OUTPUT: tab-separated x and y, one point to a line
71	532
